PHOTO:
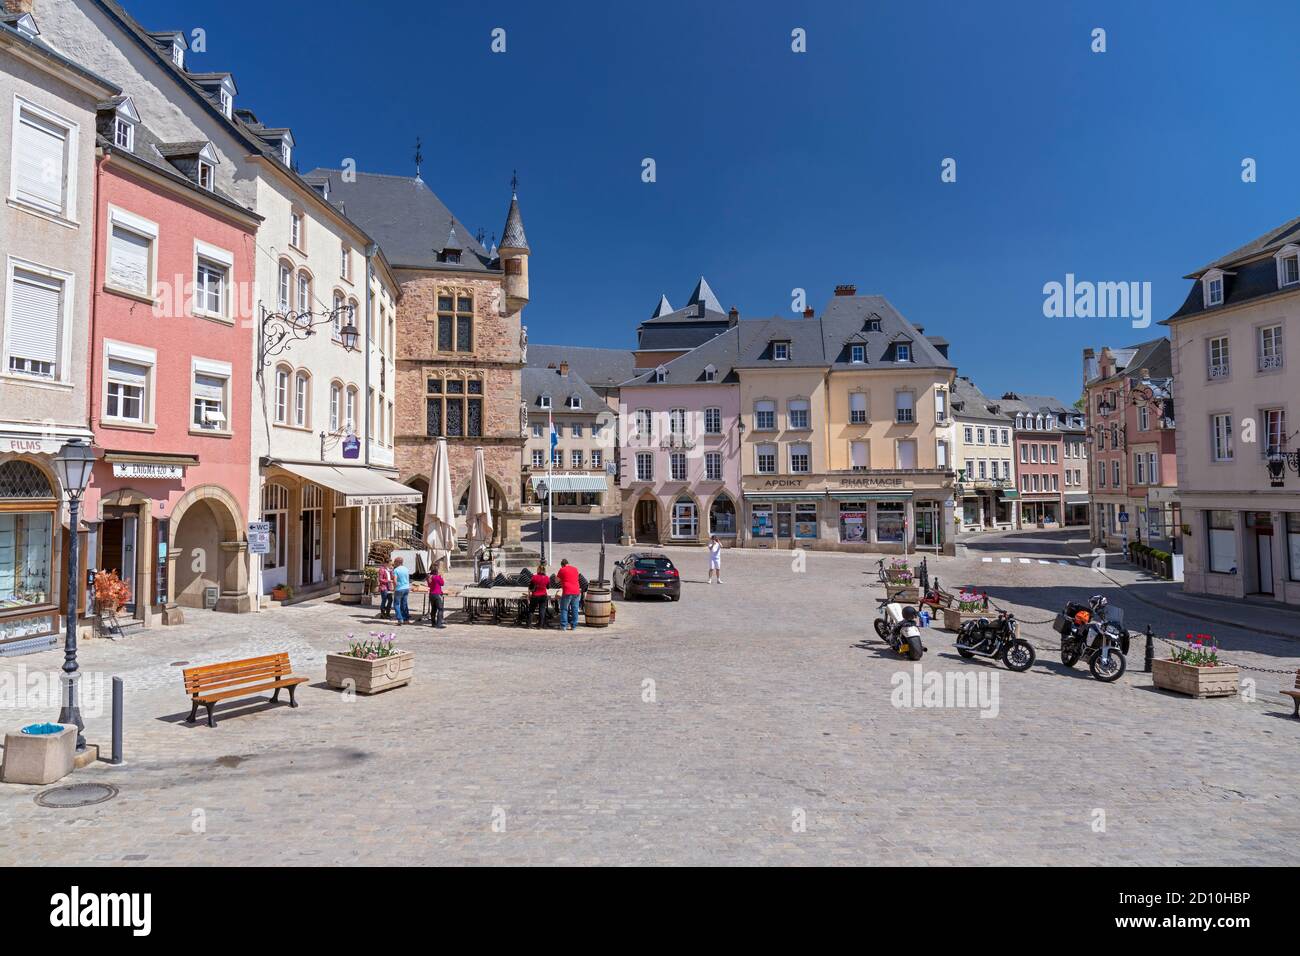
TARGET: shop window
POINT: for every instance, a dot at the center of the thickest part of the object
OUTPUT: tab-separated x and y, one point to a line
722	517
761	525
853	521
1293	544
685	521
890	517
805	520
1221	542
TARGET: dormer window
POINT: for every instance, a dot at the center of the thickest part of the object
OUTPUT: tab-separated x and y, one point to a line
124	134
1212	283
227	104
781	351
903	352
1288	266
857	354
1020	422
27	26
207	175
544	401
178	51
873	325
574	401
661	374
710	373
286	152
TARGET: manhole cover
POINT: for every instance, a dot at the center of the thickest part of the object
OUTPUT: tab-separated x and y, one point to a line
77	795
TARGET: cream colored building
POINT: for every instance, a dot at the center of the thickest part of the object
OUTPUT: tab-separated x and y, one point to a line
581	475
1237	393
848	434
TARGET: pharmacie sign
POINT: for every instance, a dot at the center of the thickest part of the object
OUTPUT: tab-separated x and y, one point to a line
137	469
871	482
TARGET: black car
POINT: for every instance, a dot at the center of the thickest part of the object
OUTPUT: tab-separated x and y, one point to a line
645	574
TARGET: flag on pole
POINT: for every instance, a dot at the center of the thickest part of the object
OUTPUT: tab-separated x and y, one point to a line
555	435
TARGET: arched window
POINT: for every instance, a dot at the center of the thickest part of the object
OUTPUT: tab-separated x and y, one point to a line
22	479
282	373
302	399
304	291
722	516
286	286
336	402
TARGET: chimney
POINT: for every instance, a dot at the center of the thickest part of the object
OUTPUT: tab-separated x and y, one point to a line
19	7
919	330
808	313
733	316
846	290
564	366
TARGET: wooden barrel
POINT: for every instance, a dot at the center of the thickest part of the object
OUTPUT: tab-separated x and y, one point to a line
596	608
352	584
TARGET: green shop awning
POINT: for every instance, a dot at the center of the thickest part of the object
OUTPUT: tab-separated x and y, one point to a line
1010	495
770	496
562	483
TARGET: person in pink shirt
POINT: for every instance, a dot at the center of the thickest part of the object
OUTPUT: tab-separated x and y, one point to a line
385	584
438	602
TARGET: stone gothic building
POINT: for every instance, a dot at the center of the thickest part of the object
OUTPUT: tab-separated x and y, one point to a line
460	340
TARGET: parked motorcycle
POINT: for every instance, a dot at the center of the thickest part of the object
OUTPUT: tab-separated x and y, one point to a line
1096	631
999	639
899	628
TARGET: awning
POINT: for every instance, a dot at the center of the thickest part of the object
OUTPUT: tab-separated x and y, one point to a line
871	496
562	483
1010	495
1076	498
358	485
773	496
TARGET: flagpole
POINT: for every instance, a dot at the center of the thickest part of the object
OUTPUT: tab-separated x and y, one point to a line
551	438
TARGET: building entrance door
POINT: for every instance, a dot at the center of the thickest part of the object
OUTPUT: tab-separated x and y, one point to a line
928	532
118	549
310	546
1262	526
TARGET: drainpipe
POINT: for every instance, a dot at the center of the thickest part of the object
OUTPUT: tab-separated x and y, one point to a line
363	529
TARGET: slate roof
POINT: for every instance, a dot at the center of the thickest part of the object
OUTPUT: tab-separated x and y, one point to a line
512	234
602	368
969	403
723	351
536	382
1014	403
1154	356
678	337
1245	280
846	317
406	218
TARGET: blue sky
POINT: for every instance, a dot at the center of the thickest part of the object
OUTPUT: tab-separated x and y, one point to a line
778	170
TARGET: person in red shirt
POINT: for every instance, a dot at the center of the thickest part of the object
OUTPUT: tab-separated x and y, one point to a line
570	592
537	595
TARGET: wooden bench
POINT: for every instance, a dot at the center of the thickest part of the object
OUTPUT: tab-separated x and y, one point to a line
1295	694
215	682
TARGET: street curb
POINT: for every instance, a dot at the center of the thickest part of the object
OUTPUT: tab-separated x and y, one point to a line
1130	589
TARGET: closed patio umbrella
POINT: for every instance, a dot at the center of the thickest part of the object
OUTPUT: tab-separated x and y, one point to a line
440	510
478	515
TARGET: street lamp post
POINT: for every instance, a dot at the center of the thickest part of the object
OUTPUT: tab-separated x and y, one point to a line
73	464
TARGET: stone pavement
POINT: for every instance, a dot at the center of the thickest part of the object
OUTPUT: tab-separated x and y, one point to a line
748	723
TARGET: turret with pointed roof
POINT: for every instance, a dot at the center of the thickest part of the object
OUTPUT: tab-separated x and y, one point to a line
514	254
662	309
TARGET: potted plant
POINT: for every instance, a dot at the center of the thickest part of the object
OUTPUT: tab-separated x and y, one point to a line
969	603
1194	669
111	595
371	585
371	665
899	572
281	592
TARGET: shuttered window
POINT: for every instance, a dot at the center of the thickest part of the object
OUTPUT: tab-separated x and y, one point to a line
40	162
35	324
128	260
127	385
209	401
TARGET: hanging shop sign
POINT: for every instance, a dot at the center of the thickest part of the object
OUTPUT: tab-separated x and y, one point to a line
351	447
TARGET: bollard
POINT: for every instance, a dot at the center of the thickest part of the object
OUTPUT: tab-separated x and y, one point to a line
117	720
1151	649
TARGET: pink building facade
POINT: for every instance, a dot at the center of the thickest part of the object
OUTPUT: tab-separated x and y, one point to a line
679	463
171	379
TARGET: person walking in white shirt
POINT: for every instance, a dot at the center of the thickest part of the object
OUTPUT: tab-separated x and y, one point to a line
715	560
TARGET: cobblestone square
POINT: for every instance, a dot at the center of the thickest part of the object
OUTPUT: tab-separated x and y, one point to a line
750	723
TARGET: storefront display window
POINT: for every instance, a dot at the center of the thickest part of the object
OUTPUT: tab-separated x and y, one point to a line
853	521
26	560
722	517
889	522
1222	542
805	520
761	521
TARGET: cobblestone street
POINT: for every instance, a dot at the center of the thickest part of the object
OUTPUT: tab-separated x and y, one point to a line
749	723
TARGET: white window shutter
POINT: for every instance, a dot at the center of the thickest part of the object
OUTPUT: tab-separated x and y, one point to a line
35	317
209	387
128	260
128	373
40	168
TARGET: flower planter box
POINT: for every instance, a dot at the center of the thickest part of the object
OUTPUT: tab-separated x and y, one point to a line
1195	681
952	618
39	758
366	676
902	593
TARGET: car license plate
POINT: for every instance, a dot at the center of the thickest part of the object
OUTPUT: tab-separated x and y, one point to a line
656	585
